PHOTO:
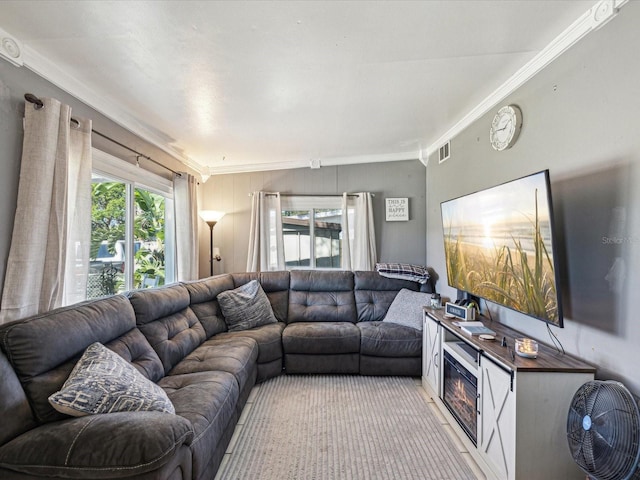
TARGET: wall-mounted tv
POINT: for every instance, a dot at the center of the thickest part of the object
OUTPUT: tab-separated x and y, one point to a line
499	245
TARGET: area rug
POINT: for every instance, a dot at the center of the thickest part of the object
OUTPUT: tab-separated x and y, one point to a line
342	427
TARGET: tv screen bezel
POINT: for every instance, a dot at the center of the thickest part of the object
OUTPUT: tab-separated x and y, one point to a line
554	247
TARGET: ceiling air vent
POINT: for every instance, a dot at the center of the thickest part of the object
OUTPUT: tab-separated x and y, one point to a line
10	48
444	152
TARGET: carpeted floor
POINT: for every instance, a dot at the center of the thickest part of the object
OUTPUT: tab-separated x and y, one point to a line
341	427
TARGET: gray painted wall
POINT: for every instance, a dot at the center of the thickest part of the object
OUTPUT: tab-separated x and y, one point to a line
14	83
395	241
581	121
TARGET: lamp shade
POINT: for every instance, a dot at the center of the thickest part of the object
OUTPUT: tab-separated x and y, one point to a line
211	215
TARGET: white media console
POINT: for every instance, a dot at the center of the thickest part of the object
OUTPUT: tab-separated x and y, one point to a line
510	412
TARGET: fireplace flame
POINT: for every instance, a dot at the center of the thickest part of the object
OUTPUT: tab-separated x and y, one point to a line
462	401
458	390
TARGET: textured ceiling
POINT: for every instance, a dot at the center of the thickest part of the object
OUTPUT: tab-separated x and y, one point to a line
251	85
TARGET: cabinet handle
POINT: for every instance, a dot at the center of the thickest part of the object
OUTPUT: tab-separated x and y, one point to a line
477	402
435	360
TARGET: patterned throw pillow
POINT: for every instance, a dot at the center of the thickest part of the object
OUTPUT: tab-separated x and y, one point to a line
406	308
104	382
246	307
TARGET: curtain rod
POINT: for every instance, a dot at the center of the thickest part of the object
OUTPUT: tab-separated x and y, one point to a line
313	195
31	98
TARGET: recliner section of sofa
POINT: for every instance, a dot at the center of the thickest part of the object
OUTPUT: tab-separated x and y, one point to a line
42	351
385	348
321	335
176	336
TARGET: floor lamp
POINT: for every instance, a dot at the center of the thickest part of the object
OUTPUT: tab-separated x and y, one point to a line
211	217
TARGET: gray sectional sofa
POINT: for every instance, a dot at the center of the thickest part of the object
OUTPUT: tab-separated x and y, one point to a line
176	336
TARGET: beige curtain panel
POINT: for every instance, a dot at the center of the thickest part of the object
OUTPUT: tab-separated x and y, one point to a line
185	190
266	242
49	255
359	237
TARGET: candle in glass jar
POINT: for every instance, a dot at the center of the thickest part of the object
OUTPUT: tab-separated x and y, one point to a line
526	347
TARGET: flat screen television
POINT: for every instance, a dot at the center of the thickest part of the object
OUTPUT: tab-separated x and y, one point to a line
499	245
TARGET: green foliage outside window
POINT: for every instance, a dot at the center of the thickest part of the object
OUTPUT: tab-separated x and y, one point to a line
108	215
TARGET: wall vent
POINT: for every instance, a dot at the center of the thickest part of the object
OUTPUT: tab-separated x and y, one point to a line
444	152
10	48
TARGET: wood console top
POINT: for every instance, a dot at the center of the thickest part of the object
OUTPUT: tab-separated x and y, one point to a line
549	359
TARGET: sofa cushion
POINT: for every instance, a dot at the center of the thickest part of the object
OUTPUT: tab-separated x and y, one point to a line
164	317
246	307
268	338
386	339
43	357
103	382
407	309
236	356
208	401
321	296
135	349
124	444
321	338
204	303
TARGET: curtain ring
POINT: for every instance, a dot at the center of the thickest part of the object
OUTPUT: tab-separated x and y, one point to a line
74	123
37	103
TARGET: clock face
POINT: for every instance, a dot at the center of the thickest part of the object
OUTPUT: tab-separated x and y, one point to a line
505	127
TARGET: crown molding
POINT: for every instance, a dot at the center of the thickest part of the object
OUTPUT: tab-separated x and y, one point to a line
256	167
376	158
314	163
593	19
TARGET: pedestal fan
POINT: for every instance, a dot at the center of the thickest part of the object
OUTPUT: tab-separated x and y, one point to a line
603	430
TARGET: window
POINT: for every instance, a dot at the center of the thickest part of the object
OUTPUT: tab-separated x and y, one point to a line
131	218
312	230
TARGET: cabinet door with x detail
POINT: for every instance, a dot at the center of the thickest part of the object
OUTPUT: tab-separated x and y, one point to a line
497	422
432	333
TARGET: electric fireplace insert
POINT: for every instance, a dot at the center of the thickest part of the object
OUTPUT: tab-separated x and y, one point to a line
460	388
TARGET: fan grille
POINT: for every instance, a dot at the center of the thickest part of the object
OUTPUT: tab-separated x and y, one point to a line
607	447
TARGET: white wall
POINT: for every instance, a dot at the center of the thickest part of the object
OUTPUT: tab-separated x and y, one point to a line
582	122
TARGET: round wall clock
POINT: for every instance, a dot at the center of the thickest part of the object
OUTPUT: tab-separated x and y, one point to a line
505	127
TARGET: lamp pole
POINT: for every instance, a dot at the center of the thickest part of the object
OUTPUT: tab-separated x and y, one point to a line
211	224
211	217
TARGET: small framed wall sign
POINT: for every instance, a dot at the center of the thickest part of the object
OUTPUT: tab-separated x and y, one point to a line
397	209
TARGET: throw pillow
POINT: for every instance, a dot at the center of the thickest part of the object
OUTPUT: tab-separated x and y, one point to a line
104	382
406	308
246	307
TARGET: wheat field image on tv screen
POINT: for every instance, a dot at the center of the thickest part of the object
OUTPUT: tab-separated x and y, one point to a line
498	246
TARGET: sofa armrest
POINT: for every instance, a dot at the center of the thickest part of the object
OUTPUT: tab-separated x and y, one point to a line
114	445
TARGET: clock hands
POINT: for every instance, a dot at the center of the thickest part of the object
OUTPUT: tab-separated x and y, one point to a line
503	128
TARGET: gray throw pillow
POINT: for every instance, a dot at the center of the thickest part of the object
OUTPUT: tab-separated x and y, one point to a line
104	382
406	308
246	307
